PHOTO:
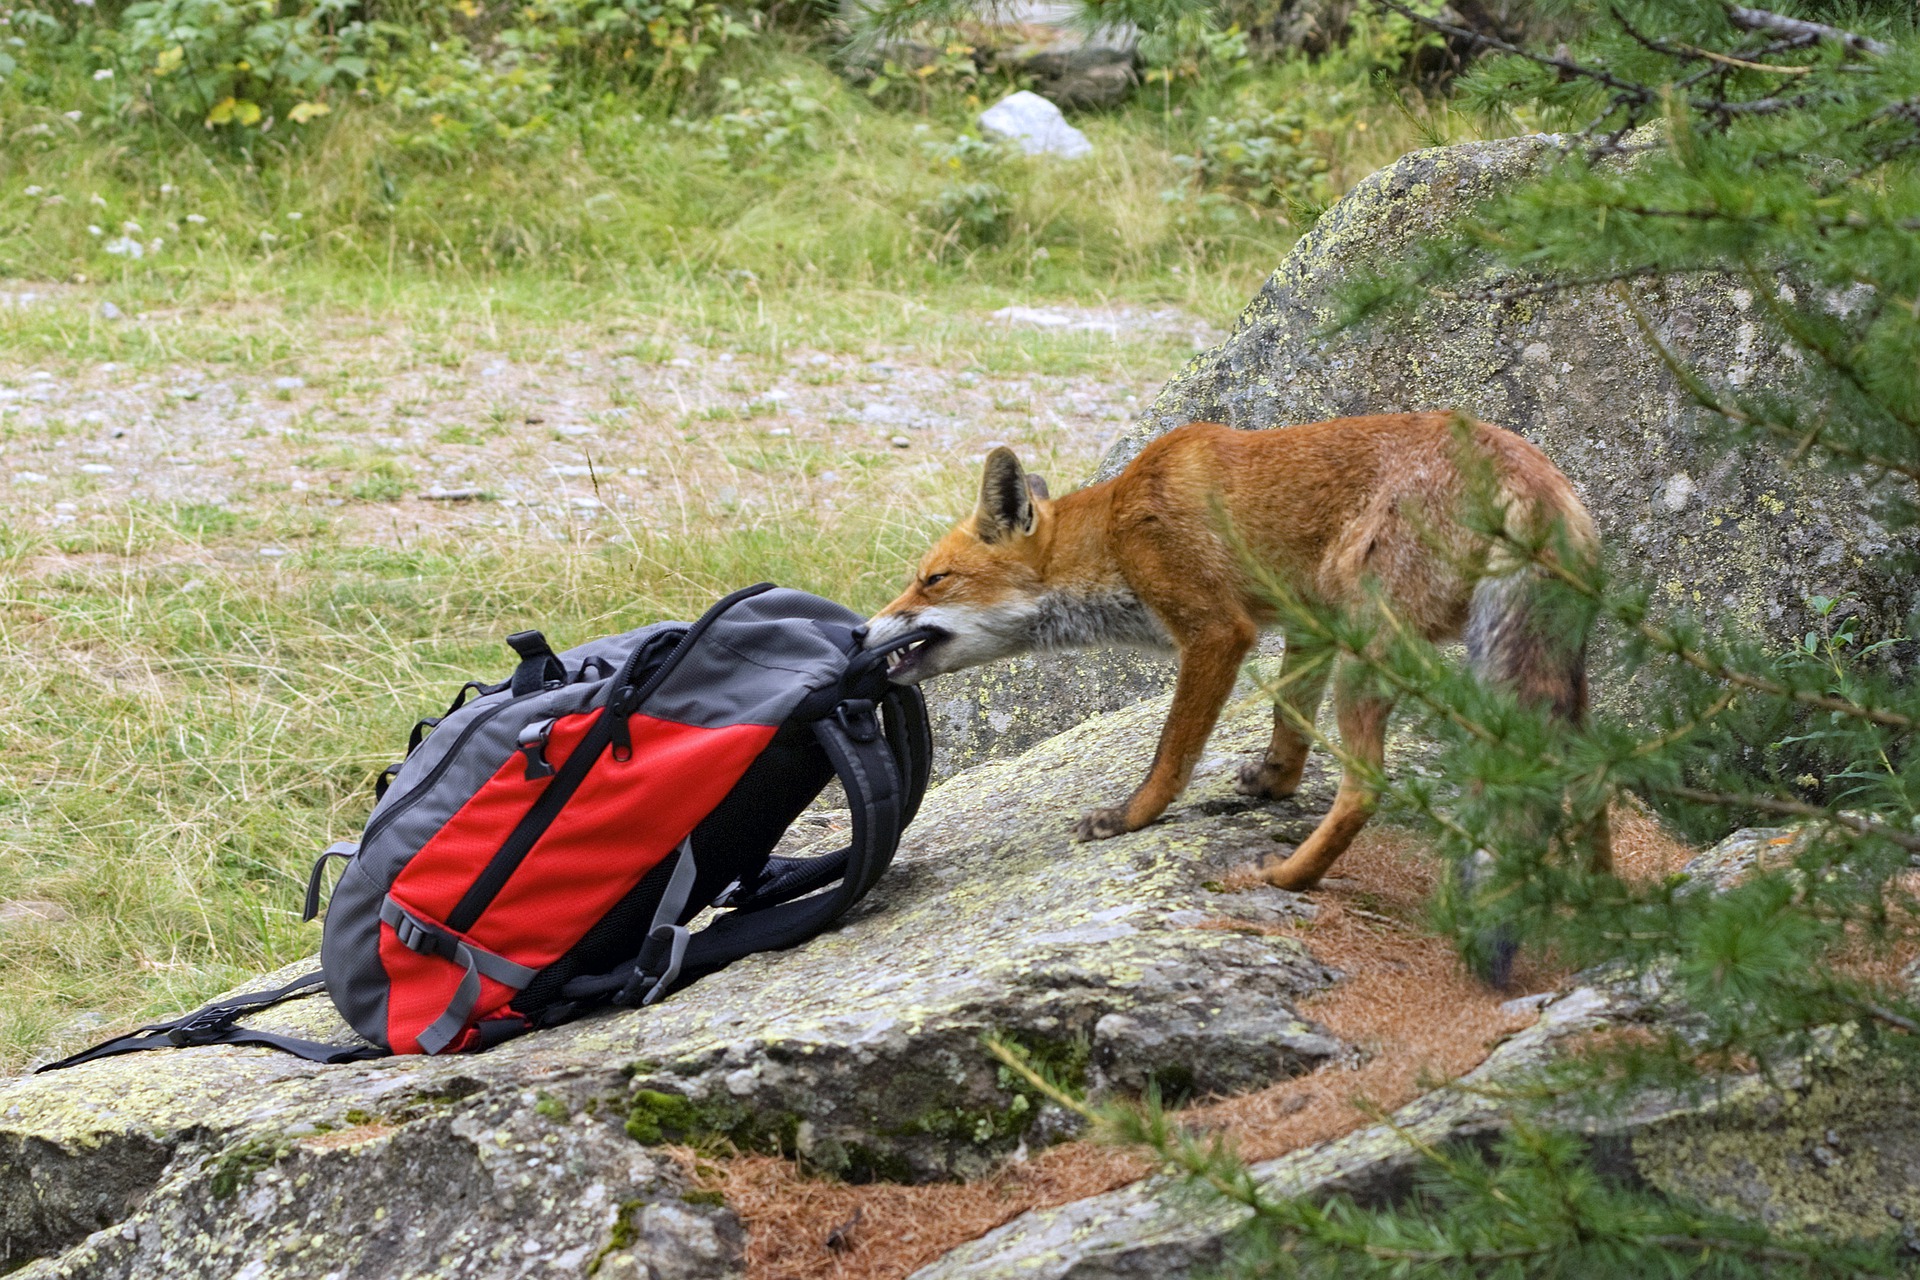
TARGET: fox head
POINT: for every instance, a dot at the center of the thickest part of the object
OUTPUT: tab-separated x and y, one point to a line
978	590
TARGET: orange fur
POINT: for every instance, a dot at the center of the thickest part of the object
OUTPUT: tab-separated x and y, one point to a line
1336	511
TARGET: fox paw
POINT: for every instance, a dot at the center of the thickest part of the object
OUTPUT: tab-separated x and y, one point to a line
1099	824
1262	779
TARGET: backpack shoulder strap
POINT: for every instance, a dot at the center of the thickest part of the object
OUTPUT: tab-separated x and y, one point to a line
904	716
869	771
214	1025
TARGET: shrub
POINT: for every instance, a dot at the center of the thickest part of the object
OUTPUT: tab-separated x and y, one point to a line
648	42
760	121
242	64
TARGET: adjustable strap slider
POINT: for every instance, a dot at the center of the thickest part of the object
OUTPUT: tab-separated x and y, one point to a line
533	744
204	1027
856	716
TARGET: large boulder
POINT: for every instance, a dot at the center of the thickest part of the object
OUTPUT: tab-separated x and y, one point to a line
860	1051
1740	536
1824	1147
1045	42
1737	537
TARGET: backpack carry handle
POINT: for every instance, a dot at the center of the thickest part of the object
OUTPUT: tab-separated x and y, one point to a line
864	661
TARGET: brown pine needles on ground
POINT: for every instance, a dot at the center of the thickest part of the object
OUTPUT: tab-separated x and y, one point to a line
1406	1002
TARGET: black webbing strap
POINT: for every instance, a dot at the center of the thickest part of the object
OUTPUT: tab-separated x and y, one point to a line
214	1025
869	772
784	879
911	736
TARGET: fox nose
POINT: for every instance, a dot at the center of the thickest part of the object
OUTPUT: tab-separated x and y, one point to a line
860	634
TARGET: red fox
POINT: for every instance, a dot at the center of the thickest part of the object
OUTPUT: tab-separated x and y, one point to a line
1336	510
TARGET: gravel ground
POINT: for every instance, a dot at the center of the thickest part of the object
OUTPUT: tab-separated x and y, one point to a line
377	440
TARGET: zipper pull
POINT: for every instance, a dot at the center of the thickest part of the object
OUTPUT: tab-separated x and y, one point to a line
623	702
533	742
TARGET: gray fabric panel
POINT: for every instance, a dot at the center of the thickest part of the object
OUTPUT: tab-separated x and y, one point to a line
757	662
480	756
350	954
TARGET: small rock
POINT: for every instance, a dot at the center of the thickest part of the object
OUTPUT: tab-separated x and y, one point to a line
273	553
573	429
28	477
107	310
901	442
437	494
570	469
27	911
584	503
289	384
96	469
1036	125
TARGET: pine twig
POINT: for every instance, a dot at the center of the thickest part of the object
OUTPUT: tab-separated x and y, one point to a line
1794	808
1780	24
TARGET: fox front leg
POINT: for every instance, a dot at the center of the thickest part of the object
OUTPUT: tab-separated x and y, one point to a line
1209	664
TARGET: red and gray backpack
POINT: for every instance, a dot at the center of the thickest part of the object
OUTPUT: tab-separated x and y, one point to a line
545	844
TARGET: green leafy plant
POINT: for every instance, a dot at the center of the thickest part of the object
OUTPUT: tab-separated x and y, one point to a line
652	42
946	62
1267	155
240	64
759	121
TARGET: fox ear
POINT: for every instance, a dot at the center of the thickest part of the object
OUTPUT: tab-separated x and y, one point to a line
1006	508
1037	486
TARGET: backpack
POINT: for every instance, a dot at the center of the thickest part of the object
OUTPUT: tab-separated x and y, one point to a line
544	845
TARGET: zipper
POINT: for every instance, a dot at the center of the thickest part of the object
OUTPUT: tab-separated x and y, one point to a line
407	801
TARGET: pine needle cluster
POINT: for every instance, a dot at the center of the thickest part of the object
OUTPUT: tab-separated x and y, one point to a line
1773	150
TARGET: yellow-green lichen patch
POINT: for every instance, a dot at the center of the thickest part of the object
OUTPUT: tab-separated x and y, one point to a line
1839	1155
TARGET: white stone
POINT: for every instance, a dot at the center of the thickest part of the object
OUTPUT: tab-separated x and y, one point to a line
1036	125
289	384
1679	488
96	469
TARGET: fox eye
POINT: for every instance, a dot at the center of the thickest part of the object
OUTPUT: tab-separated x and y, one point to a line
932	578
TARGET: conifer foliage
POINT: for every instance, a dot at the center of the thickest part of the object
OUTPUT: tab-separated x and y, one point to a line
1773	150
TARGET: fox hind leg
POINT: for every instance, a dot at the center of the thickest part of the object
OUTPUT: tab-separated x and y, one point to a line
1302	681
1362	713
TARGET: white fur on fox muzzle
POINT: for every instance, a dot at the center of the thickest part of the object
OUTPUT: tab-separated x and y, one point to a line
965	636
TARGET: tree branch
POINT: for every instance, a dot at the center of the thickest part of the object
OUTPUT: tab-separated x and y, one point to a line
1795	808
1780	24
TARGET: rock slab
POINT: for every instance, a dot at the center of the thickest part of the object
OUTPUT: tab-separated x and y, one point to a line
1826	1148
861	1050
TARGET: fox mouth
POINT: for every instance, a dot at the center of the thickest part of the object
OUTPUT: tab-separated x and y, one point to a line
908	665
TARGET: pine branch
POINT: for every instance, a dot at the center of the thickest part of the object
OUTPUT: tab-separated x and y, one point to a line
1781	25
1795	808
1625	91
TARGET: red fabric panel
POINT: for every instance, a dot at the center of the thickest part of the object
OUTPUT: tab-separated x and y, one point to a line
626	816
433	882
419	989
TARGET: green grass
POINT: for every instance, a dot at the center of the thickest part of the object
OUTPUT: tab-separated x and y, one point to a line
186	721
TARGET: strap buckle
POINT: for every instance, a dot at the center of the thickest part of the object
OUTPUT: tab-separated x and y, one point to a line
855	715
204	1027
